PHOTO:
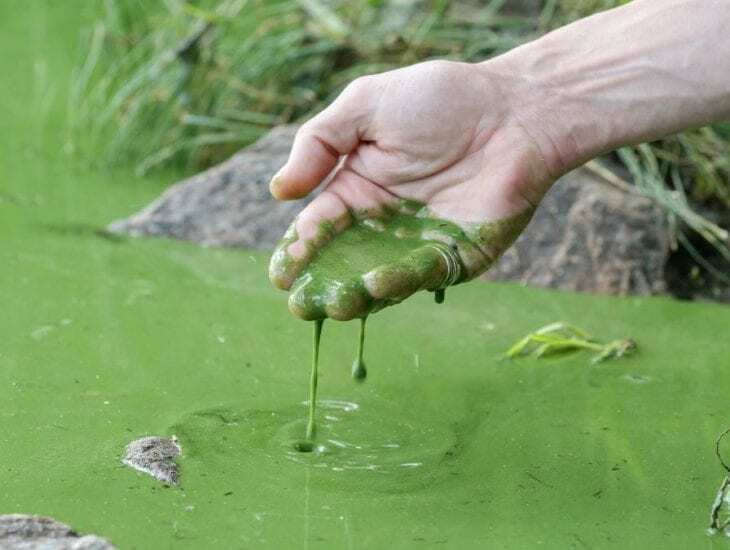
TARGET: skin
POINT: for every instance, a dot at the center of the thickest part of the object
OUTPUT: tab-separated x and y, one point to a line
481	143
478	145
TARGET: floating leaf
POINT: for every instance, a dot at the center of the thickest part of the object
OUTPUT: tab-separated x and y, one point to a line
562	338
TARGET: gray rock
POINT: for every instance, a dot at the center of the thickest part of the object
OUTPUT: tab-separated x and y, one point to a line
227	205
25	532
588	236
154	456
585	236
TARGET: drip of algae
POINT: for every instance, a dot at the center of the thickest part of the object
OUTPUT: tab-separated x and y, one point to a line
307	446
439	295
311	427
359	372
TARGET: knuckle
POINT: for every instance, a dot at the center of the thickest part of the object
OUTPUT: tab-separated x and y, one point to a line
307	129
358	86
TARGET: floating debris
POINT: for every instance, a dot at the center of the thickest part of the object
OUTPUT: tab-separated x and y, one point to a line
154	456
41	332
720	511
636	378
563	338
26	532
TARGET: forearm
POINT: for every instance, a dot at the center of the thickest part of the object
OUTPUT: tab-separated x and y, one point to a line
632	74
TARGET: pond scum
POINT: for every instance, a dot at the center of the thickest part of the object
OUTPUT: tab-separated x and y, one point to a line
71	395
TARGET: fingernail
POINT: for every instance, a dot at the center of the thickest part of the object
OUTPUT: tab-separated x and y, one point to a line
275	185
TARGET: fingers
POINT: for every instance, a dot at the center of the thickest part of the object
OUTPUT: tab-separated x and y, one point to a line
314	227
474	261
433	265
342	300
322	141
440	260
426	268
327	215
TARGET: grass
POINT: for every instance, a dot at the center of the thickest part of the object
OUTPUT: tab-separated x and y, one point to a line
651	171
186	84
561	338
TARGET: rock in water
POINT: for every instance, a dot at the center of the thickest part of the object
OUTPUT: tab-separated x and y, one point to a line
591	237
24	532
585	236
154	456
227	205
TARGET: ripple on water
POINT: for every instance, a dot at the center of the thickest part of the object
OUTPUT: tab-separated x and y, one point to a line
360	444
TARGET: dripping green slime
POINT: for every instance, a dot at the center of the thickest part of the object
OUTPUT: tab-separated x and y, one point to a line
378	262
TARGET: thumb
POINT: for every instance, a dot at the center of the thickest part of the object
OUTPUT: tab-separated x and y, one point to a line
321	142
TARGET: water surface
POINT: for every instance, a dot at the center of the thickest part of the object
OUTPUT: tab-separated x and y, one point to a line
106	340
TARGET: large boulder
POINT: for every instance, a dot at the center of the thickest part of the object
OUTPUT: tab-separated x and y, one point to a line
227	205
588	236
585	236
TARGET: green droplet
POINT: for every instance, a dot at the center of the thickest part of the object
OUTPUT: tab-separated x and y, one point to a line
304	446
359	372
439	295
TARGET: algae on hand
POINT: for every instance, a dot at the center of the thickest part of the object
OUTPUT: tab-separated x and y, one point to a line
361	263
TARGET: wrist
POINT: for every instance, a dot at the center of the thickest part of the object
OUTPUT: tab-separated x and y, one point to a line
604	82
550	109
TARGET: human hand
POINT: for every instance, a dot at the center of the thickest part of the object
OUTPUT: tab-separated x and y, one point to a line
480	144
440	134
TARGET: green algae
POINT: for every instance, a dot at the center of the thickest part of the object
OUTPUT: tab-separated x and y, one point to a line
439	295
104	341
333	284
359	371
311	426
283	267
362	263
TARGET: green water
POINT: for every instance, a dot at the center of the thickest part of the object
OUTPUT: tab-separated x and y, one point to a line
104	341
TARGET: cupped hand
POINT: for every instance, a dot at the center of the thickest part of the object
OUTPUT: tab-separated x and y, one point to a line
445	135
